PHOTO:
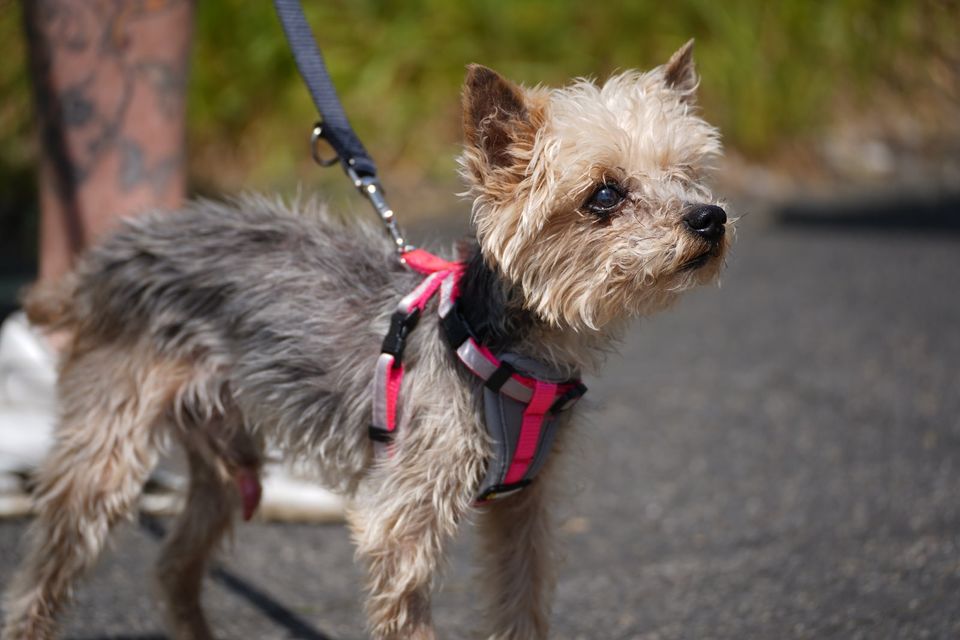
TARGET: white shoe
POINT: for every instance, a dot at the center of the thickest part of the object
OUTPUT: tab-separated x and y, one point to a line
290	498
28	376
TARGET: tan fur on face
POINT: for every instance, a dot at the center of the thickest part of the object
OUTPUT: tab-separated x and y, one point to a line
639	130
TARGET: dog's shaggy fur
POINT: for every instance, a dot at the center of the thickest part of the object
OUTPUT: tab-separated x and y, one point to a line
231	325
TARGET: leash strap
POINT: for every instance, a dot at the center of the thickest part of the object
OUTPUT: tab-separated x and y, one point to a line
335	127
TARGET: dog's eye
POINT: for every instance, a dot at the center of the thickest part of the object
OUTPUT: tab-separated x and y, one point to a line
605	199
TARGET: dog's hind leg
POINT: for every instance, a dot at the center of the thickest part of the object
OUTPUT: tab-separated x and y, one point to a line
112	398
216	451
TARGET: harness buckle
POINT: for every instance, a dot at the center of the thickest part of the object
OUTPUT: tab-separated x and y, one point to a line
455	328
567	400
379	434
500	376
401	324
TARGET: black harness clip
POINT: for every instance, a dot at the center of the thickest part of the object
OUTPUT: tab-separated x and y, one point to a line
401	324
378	434
455	328
568	399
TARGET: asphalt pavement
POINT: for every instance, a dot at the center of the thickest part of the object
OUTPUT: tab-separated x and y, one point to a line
775	458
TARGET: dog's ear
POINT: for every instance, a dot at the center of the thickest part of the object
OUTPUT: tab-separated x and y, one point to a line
680	73
494	114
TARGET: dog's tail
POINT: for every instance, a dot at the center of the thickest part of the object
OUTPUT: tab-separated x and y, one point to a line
50	304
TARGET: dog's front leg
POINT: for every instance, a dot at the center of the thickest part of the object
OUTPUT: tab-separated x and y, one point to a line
517	564
408	509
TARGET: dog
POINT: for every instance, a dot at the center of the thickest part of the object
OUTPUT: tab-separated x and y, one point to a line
230	326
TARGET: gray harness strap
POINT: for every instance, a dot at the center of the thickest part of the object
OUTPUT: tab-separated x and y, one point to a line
511	387
503	415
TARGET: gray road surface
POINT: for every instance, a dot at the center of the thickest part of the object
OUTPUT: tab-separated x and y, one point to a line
777	458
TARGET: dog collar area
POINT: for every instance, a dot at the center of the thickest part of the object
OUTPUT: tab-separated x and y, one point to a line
523	398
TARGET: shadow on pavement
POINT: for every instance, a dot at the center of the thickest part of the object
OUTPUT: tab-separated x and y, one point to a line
262	601
924	213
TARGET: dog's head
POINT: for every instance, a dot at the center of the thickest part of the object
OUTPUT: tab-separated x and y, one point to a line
590	198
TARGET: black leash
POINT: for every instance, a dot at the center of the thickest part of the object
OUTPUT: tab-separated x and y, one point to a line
334	126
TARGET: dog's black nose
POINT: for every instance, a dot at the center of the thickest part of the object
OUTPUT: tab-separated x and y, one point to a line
706	221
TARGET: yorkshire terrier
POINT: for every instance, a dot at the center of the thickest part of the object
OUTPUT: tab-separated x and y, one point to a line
230	327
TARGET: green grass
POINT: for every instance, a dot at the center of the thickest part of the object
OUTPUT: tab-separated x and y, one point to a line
772	71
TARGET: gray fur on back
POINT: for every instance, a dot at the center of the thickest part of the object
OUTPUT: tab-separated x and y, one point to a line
281	312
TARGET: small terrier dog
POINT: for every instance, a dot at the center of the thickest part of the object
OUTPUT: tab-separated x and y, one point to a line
229	326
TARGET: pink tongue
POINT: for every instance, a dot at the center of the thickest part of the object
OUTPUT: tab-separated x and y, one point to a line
248	481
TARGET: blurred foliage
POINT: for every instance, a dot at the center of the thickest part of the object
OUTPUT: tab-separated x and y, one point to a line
771	70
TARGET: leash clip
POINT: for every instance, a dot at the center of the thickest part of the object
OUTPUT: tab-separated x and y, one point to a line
371	189
368	185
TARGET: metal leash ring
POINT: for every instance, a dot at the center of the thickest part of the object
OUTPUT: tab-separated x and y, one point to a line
315	136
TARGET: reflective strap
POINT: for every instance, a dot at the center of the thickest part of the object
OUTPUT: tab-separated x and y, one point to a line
516	390
382	383
544	393
474	359
448	293
418	297
483	364
394	380
517	386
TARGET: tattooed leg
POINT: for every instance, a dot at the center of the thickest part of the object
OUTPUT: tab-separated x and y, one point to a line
109	81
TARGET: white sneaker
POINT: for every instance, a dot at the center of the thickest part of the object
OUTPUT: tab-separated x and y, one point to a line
288	497
28	379
28	376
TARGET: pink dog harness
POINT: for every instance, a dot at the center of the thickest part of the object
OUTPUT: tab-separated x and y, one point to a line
522	397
